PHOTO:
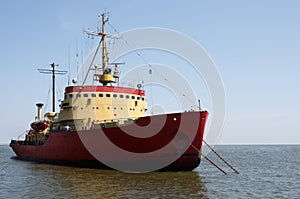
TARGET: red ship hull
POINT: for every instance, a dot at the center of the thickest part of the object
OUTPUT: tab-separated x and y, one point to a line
90	148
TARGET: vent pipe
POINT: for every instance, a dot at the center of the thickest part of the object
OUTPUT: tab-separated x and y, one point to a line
39	111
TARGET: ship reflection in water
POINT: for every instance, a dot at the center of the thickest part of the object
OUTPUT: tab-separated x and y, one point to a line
94	183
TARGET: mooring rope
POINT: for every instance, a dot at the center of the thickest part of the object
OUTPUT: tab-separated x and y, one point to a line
210	161
220	157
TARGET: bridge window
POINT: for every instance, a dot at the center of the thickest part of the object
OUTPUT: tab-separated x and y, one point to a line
121	96
100	94
93	95
71	96
138	98
85	95
107	95
115	95
127	96
132	97
143	99
78	95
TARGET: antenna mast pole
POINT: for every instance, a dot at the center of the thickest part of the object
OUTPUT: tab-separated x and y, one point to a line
104	50
53	72
53	86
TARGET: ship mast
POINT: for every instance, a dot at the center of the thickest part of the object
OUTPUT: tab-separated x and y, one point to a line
53	72
106	76
104	49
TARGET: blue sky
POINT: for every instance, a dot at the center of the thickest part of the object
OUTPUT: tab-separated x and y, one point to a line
255	45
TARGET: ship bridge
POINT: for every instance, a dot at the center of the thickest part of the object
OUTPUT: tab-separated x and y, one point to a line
85	106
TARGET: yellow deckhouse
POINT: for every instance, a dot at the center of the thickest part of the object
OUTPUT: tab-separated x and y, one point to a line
87	106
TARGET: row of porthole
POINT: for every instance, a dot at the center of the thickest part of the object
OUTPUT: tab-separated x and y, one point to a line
115	108
108	95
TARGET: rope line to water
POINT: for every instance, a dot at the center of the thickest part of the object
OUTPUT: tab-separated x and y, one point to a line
210	161
221	157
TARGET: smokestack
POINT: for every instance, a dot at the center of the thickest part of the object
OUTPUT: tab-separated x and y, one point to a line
39	111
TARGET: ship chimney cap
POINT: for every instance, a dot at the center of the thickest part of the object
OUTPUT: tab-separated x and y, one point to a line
39	104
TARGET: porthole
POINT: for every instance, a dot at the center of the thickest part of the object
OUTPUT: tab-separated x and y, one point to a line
85	95
100	95
115	95
93	95
107	95
121	96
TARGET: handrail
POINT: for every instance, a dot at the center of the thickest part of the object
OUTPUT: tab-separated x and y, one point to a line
27	131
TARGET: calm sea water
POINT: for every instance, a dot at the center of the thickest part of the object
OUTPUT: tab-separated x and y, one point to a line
265	172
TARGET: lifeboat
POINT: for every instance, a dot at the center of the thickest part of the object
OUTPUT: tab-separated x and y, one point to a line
39	126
